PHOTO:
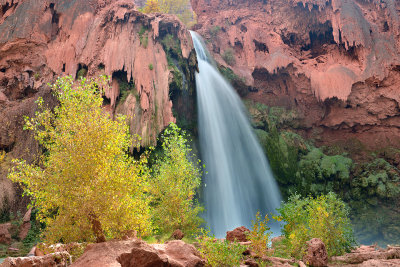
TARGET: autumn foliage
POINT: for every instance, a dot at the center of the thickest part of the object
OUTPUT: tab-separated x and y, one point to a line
86	186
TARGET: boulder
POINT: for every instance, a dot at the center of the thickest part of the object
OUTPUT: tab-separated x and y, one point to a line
316	254
364	254
58	259
239	234
177	234
135	252
5	236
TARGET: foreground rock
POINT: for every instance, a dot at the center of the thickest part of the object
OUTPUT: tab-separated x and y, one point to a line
58	259
140	254
316	254
369	255
5	236
239	234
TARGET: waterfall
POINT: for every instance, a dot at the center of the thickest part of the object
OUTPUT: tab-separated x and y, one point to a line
238	180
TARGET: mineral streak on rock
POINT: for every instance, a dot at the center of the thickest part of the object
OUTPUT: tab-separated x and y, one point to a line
331	61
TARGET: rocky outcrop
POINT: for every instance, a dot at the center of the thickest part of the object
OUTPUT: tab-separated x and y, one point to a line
335	62
5	236
315	254
238	234
41	40
58	259
371	254
138	253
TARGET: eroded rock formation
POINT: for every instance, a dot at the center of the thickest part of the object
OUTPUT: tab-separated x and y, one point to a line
41	40
335	62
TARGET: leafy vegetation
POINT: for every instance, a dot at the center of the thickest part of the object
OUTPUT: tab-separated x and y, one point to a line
86	188
127	88
259	235
144	36
150	66
229	56
214	31
219	253
176	179
325	217
181	8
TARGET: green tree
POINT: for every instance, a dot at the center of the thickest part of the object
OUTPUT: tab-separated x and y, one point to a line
177	177
181	8
325	217
85	185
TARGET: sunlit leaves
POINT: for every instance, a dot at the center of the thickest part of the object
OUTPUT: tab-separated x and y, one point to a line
85	170
177	177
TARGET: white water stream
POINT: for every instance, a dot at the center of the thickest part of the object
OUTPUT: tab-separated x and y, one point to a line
239	181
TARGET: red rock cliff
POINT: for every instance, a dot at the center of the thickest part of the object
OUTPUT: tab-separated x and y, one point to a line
41	40
335	62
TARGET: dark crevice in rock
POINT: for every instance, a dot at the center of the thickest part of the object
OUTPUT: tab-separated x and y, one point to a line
385	27
262	47
6	7
55	19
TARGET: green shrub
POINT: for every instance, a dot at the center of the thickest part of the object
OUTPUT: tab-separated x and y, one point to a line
375	179
229	56
325	217
150	66
81	73
143	36
176	179
214	31
220	253
259	235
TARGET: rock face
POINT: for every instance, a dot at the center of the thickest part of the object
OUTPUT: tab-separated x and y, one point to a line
41	40
58	259
335	62
238	234
138	253
316	254
370	255
5	236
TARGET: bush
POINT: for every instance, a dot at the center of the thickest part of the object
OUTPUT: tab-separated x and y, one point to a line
144	36
151	66
325	217
85	186
176	179
229	56
259	235
220	253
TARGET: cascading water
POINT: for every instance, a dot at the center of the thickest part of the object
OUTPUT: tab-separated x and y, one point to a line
239	181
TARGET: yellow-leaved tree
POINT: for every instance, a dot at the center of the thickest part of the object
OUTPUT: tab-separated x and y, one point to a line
85	187
181	8
176	179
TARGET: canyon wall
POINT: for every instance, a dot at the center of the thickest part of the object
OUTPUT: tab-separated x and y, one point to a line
335	63
40	40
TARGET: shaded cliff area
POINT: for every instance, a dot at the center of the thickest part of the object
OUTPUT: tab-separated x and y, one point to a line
149	58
